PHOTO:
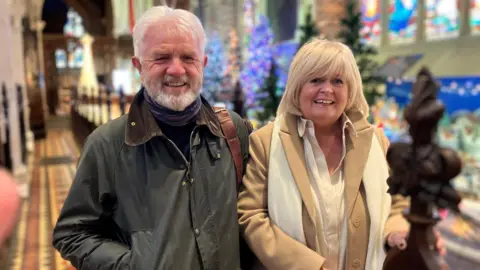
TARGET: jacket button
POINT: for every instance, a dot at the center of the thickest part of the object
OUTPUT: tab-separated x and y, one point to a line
184	183
356	222
356	263
197	231
218	155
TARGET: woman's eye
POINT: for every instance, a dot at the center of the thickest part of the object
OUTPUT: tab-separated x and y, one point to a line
338	81
317	80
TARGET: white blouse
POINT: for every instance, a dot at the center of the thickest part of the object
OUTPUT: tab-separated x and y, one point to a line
328	192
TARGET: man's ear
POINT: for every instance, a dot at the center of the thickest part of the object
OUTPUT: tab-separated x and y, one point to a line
205	61
136	63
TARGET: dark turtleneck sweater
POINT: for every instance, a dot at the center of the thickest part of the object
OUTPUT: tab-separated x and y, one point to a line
176	126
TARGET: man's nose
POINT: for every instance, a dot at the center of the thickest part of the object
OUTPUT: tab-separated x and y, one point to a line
176	68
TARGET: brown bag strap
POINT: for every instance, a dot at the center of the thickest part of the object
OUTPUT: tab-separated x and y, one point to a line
230	133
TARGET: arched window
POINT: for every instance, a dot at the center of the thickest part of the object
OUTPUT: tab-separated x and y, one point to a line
60	59
74	30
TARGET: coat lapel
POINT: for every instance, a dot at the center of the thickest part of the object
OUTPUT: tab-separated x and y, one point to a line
358	148
294	151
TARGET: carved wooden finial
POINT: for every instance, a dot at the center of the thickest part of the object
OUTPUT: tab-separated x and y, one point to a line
422	170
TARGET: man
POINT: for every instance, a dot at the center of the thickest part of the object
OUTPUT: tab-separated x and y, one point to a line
157	188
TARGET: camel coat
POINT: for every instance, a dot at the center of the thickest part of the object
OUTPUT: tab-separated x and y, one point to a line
275	249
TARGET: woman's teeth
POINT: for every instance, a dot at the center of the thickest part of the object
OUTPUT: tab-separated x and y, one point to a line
323	101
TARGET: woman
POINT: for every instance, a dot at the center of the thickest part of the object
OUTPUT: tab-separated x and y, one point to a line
314	194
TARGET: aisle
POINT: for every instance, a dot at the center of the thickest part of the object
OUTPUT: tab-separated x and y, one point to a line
53	167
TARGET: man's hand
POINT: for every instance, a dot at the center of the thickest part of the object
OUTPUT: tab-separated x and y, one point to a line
399	239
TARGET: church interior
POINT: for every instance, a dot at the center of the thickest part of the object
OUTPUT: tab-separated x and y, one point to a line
66	69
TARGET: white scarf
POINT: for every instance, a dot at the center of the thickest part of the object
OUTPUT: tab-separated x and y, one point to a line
285	201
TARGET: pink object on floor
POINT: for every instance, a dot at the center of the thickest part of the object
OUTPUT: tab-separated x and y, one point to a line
9	204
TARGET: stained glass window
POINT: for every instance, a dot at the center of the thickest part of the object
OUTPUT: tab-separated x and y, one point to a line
475	16
60	58
73	29
372	29
442	20
403	21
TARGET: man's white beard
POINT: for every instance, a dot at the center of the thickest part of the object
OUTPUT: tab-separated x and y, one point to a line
175	102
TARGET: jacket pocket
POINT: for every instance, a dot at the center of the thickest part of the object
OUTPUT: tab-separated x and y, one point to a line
141	252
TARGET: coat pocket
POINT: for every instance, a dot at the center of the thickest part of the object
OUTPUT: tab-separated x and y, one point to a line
141	253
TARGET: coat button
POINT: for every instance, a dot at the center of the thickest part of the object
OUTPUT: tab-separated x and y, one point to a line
184	183
356	222
356	263
197	231
218	155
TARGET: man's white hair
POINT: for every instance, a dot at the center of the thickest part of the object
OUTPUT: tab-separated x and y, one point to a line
179	21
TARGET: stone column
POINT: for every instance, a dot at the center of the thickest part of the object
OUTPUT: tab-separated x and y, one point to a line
19	76
38	26
384	23
421	9
464	18
19	170
88	75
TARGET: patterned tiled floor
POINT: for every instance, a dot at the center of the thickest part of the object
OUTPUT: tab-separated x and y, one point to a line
52	171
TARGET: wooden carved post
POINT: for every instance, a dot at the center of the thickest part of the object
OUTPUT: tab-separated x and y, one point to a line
121	100
109	102
6	127
100	106
23	129
422	170
74	99
84	110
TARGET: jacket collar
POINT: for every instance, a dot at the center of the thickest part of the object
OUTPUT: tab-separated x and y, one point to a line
357	149
303	124
142	126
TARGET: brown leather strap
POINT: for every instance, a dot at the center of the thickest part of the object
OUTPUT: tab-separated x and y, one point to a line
230	133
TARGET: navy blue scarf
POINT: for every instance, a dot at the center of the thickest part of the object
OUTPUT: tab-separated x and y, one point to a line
171	117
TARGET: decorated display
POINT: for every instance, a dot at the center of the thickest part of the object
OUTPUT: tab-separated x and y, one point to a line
283	54
459	128
258	62
442	19
403	17
234	56
372	29
216	68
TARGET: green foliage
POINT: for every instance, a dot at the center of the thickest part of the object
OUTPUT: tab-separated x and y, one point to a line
270	98
351	36
309	29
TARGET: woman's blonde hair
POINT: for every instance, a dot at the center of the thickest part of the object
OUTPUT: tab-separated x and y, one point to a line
323	59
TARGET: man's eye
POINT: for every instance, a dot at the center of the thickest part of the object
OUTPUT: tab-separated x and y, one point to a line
188	58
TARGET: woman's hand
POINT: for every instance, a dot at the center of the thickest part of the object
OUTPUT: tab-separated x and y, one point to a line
399	239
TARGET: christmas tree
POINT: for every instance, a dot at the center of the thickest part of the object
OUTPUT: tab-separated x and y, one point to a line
215	70
234	60
258	63
351	36
270	98
309	29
